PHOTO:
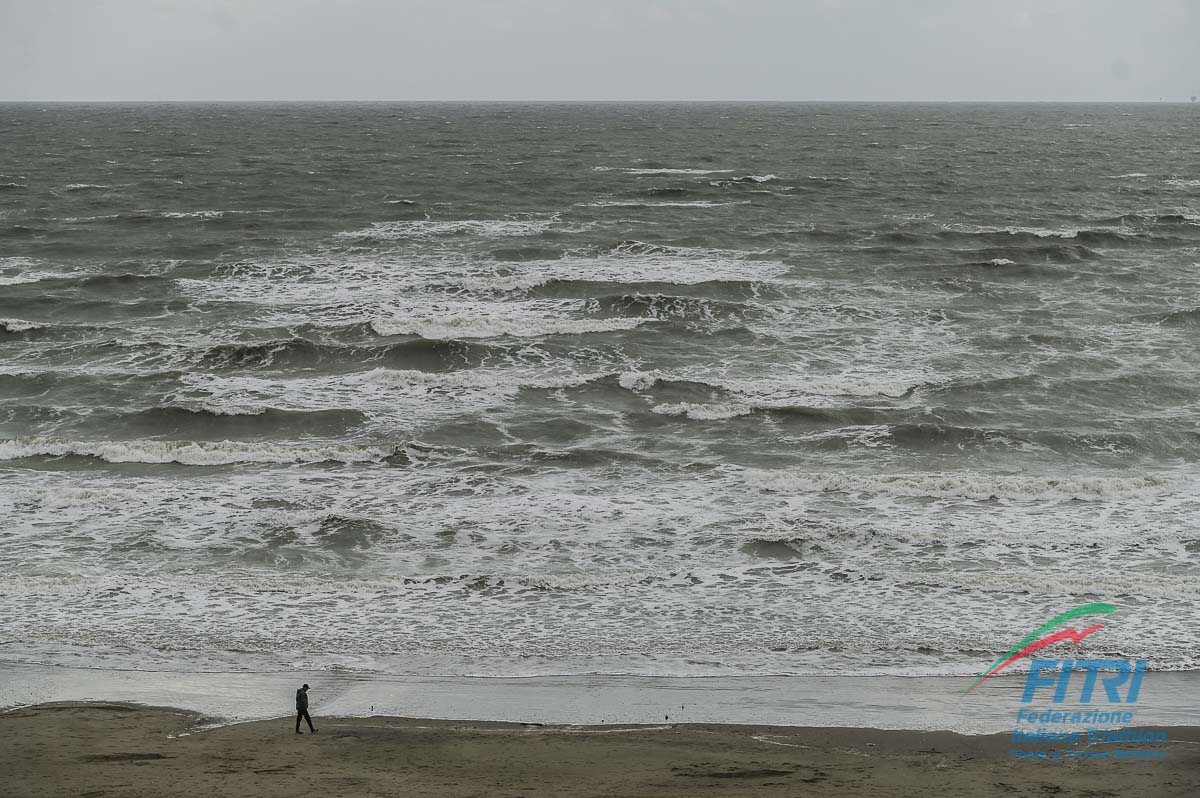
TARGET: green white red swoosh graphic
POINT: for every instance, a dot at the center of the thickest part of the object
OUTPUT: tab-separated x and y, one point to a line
1031	643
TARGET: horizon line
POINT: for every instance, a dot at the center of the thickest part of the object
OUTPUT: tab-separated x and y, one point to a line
530	101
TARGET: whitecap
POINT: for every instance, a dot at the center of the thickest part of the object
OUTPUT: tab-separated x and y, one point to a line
19	325
192	214
189	452
31	277
426	229
703	412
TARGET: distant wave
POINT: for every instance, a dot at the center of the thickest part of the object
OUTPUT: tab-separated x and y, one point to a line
637	170
667	191
645	204
1151	219
150	216
190	452
750	179
1028	256
1114	237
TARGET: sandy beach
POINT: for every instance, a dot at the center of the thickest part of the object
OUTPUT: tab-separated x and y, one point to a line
109	749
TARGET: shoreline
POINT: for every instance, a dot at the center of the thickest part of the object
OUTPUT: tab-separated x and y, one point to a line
113	748
1169	699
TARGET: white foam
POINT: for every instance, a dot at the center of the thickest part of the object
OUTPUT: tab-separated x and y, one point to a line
401	399
32	277
785	391
192	214
639	380
100	218
571	563
1001	262
504	382
188	452
449	320
82	186
321	280
868	436
19	325
426	229
1178	182
963	485
1123	177
1040	232
703	412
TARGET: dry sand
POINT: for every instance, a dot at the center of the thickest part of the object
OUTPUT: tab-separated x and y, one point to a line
94	750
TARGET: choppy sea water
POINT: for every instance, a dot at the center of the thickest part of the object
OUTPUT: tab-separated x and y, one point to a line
669	390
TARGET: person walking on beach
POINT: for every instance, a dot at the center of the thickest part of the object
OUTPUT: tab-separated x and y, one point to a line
302	710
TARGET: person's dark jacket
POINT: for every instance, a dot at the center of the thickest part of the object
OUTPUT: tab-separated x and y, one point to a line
301	700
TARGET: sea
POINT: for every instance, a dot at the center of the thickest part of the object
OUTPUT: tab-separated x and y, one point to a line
621	389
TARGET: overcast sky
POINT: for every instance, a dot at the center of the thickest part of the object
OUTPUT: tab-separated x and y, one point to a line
599	49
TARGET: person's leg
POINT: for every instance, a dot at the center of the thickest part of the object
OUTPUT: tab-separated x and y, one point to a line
299	714
308	718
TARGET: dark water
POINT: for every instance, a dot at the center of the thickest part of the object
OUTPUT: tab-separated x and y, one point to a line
651	389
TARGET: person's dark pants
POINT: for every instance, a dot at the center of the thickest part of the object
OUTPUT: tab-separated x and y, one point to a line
303	713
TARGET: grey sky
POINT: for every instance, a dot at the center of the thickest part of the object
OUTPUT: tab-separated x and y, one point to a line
599	49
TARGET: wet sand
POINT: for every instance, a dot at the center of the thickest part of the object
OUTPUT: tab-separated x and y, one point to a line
100	750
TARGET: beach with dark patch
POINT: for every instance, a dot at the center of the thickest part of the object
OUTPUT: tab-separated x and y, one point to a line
101	750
